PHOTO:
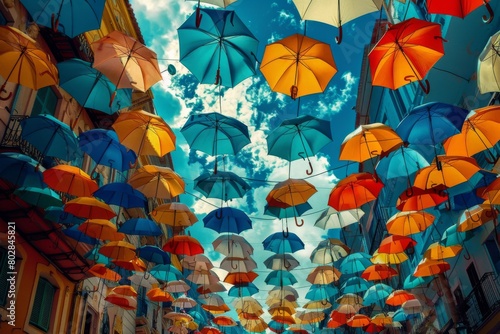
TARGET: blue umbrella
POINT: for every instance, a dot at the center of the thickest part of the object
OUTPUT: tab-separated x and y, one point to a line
402	162
229	220
299	138
401	316
140	226
412	282
377	294
94	255
69	17
104	147
355	285
153	254
90	88
221	50
280	278
355	263
79	236
243	290
166	272
281	242
121	194
322	291
40	197
276	326
288	212
223	185
50	136
57	214
451	236
21	170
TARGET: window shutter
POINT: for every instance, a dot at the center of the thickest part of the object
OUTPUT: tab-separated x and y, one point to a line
42	305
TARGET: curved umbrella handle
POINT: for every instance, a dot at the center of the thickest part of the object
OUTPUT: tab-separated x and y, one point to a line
338	39
286	234
473	219
294	91
409	192
425	88
218	214
54	22
311	170
487	19
467	257
234	266
286	264
133	165
9	95
324	302
297	222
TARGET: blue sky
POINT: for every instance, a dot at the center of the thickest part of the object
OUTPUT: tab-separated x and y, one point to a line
262	110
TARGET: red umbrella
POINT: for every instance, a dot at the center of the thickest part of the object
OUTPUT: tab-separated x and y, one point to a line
354	191
377	272
416	199
396	244
183	245
459	8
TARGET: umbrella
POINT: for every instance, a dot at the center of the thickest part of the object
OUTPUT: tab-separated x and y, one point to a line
335	13
237	264
353	191
224	321
71	18
89	207
396	244
427	267
281	261
378	272
70	179
323	275
23	62
283	242
21	170
178	316
101	229
287	212
412	282
79	236
328	251
57	215
126	62
298	65
388	258
398	297
488	69
126	302
377	294
157	182
243	290
321	292
165	272
104	147
240	277
280	278
350	299
355	263
50	136
121	194
355	285
299	138
220	49
90	88
402	162
332	219
158	295
210	330
291	192
214	133
223	185
477	216
412	306
40	197
232	245
459	8
183	244
197	262
409	222
406	52
174	214
140	226
417	199
368	141
184	302
144	133
230	220
101	271
143	279
118	250
358	320
135	264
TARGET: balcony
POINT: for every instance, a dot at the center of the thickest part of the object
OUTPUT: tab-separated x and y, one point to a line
482	303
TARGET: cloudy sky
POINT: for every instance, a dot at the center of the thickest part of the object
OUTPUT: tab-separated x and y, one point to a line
262	110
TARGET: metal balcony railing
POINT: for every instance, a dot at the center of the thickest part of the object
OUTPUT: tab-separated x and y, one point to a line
482	301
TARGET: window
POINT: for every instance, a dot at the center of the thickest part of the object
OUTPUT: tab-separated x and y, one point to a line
45	103
4	287
42	305
494	253
142	304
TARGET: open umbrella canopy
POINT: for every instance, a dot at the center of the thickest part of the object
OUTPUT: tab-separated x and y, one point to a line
232	245
377	294
140	226
323	275
280	278
355	284
101	271
417	198
328	251
218	50
331	218
174	214
183	245
89	207
222	185
403	162
121	194
102	229
280	242
355	263
165	272
353	191
291	192
488	78
227	220
40	197
409	222
118	250
57	215
70	179
287	212
459	8
243	290
477	216
157	182
281	261
21	170
427	267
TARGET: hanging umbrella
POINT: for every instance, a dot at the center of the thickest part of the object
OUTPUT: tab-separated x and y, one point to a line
281	242
280	278
210	330
335	13
121	194
488	66
104	147
377	294
412	306
323	275
412	282
224	321
90	88
157	182
101	271
222	185
159	295
23	62
232	245
101	229
386	258
353	191
174	214
291	192
299	138
125	302
402	162
177	286
178	316
197	262
378	272
125	61
328	251
355	263
220	49
321	292
135	264
287	212
21	170
118	250
398	297
40	197
57	215
405	53
350	299
184	302
69	179
183	245
298	65
89	207
140	226
240	277
337	319
459	8
358	320
368	141
477	216
237	264
281	261
396	244
436	251
143	279
50	136
165	272
355	284
332	219
79	236
230	220
144	133
409	222
417	199
243	290
428	267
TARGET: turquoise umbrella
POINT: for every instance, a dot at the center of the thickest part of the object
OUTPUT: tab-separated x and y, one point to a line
321	292
299	138
21	170
355	285
221	50
288	212
57	214
412	282
280	278
223	185
40	197
403	162
94	255
166	272
377	294
355	263
281	242
243	290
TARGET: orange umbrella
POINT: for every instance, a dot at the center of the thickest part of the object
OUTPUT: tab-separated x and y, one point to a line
240	278
417	199
157	182
136	264
183	245
405	53
398	297
386	258
368	141
174	214
125	302
89	207
377	272
178	316
428	267
144	133
101	229
323	275
216	309
284	319
476	217
396	244
298	65
254	325
381	319
224	321
358	320
118	250
436	251
70	179
101	271
492	192
125	290
354	191
210	330
126	62
291	192
409	222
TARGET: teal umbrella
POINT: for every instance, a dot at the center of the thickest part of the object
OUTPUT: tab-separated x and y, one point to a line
280	278
221	50
412	282
57	214
299	138
21	170
40	197
377	294
166	272
402	162
355	285
355	263
223	185
281	242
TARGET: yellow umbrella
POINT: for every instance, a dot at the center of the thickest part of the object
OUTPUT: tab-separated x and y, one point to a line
174	214
144	133
254	325
89	207
386	258
23	62
317	305
309	317
409	222
118	250
157	182
291	192
101	229
298	65
381	319
436	251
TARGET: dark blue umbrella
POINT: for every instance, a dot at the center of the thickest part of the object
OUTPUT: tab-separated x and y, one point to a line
230	220
121	194
140	226
79	236
104	147
21	170
243	290
280	278
50	136
222	185
288	212
281	242
90	88
153	254
57	214
69	17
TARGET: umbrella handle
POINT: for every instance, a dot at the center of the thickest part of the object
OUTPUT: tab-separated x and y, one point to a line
112	98
286	234
234	266
409	192
475	220
217	77
198	17
286	264
294	91
467	257
297	222
488	19
218	214
54	22
309	172
338	39
2	90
